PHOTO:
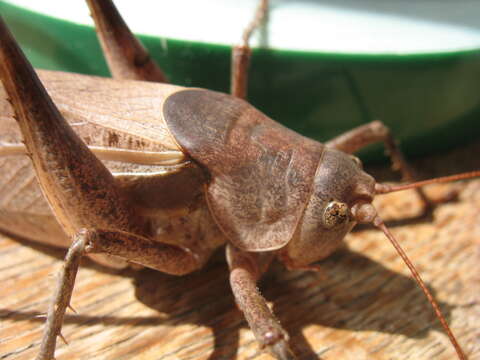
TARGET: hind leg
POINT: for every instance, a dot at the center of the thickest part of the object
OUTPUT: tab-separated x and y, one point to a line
125	55
85	198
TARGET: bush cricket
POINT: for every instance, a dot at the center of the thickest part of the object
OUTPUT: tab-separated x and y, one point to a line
192	170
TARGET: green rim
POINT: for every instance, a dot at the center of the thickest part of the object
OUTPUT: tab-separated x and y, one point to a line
430	101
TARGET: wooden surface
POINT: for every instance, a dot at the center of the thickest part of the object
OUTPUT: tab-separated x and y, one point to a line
367	307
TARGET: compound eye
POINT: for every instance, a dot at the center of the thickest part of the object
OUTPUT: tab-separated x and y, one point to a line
336	213
357	161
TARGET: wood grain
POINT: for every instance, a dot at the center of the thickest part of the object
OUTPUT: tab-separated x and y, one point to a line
366	307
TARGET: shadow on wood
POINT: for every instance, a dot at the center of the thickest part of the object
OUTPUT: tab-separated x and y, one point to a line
365	307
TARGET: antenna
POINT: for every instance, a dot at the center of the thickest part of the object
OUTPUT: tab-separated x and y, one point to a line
385	188
378	222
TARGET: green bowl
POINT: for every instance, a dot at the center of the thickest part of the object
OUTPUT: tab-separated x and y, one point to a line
430	99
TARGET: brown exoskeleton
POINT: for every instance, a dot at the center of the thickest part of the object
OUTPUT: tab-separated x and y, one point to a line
193	170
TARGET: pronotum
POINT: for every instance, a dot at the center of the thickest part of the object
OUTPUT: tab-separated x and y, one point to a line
229	174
